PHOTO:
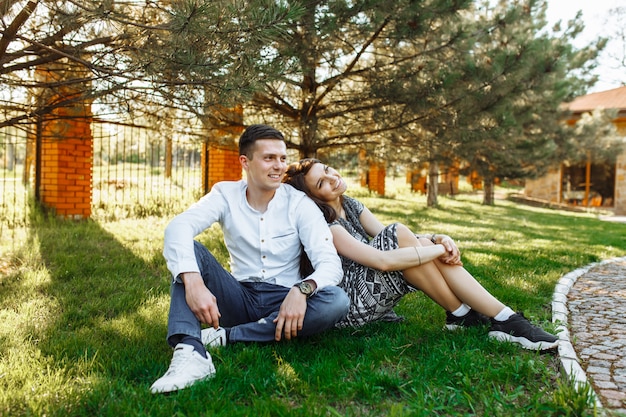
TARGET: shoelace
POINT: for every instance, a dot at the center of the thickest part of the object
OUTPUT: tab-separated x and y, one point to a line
177	360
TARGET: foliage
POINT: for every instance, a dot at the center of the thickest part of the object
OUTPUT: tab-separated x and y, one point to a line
440	81
475	83
573	398
134	56
350	61
517	76
596	138
84	306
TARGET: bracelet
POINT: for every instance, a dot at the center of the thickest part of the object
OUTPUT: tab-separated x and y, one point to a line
432	238
418	254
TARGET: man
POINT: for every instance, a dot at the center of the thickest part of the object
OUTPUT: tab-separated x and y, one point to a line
266	224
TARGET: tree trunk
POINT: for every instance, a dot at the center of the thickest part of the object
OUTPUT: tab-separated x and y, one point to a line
168	157
488	196
433	181
587	179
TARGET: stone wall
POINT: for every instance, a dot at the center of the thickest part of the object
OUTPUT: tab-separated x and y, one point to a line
546	188
620	172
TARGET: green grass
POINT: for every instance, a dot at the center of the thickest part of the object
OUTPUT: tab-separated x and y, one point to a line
84	309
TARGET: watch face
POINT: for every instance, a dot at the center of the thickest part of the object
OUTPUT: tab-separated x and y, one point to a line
305	288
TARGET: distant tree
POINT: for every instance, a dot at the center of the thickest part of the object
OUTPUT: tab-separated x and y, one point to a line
517	76
616	21
430	82
492	100
595	138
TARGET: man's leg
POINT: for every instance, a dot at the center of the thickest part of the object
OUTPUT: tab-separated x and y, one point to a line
232	300
324	310
249	309
191	362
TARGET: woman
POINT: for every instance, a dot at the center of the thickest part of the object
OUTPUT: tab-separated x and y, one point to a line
383	263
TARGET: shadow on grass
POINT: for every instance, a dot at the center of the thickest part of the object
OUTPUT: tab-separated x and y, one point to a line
111	305
109	298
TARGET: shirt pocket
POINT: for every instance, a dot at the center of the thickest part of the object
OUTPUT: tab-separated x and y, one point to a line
285	241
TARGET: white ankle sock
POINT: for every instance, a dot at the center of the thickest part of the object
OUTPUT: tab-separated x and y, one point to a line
461	311
504	315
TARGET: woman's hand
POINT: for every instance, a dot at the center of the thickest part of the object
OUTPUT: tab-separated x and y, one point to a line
453	254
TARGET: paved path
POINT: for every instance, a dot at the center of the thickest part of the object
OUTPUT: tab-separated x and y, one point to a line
590	304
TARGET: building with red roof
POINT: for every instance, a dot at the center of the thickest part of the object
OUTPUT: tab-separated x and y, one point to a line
588	184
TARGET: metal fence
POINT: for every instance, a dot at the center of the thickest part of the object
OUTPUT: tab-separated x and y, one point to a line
14	192
137	172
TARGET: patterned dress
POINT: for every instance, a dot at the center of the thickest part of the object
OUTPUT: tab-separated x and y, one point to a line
373	293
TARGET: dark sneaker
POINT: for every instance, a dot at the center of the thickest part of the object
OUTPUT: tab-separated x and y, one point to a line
472	319
517	329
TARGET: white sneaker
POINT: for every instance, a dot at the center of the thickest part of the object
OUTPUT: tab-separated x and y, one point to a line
187	367
214	337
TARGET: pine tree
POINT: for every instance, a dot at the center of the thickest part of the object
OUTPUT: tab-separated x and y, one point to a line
344	56
516	77
137	56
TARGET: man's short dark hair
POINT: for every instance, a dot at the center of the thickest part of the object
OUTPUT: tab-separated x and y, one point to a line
254	133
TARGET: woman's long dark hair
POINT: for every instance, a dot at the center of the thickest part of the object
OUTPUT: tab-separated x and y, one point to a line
295	177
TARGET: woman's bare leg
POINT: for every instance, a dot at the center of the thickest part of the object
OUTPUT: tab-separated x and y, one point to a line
461	287
429	280
470	291
447	285
427	277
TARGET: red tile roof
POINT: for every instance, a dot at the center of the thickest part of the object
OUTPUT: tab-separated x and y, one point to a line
610	99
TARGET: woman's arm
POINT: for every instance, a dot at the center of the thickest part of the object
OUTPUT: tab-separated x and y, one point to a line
392	260
370	223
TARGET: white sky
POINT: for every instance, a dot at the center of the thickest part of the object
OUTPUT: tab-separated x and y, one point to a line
595	15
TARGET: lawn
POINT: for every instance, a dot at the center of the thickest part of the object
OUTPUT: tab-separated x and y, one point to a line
84	308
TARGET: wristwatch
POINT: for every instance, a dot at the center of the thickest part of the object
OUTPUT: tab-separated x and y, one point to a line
305	288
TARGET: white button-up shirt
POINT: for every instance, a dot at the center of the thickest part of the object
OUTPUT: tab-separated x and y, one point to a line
263	246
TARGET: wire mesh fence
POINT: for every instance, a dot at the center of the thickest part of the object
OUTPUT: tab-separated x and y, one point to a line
13	178
15	202
137	172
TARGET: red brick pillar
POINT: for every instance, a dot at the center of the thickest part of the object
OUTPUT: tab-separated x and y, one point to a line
221	163
66	146
377	173
475	180
220	153
417	180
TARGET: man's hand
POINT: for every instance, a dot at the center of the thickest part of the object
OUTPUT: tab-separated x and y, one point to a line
200	300
291	315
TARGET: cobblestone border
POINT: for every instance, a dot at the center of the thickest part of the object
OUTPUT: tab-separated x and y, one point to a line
570	363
